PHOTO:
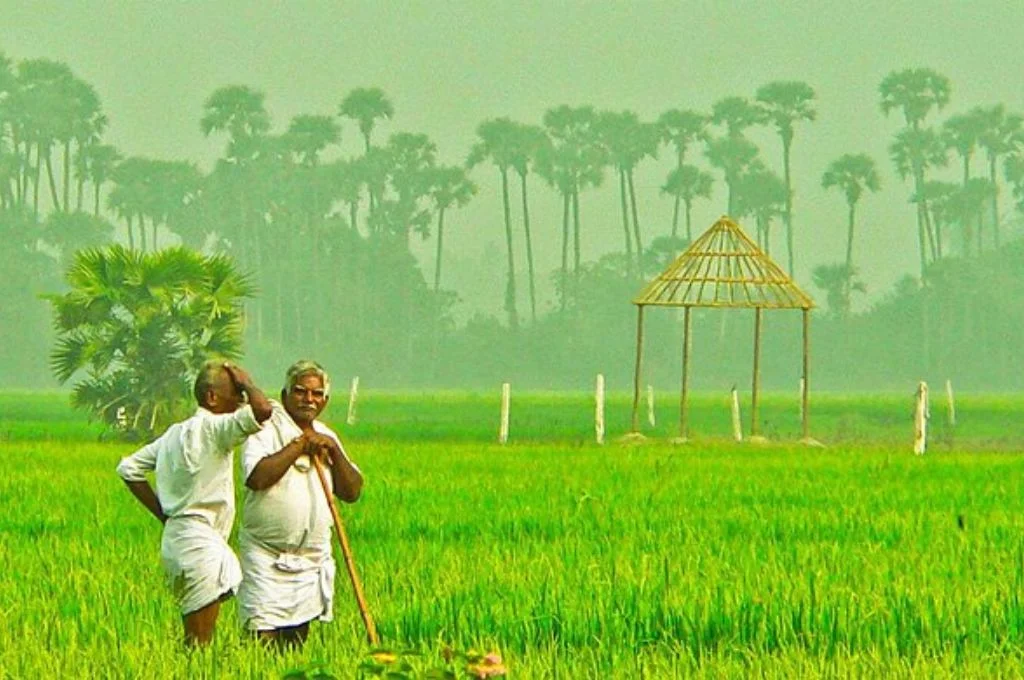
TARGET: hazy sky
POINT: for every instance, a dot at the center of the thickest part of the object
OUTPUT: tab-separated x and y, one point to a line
449	65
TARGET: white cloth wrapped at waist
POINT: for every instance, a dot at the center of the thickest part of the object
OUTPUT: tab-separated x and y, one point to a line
284	588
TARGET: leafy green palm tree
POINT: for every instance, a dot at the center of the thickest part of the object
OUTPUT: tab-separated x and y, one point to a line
449	188
852	174
681	129
308	135
530	143
761	194
939	196
1013	168
733	155
967	207
687	183
97	164
240	111
71	232
838	281
736	114
137	326
786	103
365	105
1003	134
962	133
498	143
915	92
627	141
913	152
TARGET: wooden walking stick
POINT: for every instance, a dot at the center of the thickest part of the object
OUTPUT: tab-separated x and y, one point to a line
346	551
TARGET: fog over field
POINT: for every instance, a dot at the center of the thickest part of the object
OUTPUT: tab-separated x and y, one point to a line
448	67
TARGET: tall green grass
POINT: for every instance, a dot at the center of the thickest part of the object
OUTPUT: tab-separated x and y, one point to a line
573	560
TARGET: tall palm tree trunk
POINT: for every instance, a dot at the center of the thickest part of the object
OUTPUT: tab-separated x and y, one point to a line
131	234
576	232
66	186
440	242
786	148
529	249
96	200
52	181
689	222
625	222
995	199
142	232
676	201
636	224
35	183
510	286
565	248
849	236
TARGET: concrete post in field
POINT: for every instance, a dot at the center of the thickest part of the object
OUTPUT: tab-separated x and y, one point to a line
737	427
803	391
921	419
650	405
951	402
506	394
353	393
599	409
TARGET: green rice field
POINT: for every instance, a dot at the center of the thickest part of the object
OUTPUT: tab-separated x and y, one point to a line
571	560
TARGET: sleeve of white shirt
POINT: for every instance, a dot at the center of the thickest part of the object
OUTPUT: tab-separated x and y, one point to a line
229	430
133	468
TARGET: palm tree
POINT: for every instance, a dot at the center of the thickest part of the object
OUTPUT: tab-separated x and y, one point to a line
688	183
1013	168
915	92
97	163
530	142
240	111
737	114
681	129
71	232
853	174
786	103
761	194
733	155
498	140
36	102
449	187
962	133
838	281
913	151
939	196
308	135
574	162
139	325
413	157
967	206
1003	134
365	106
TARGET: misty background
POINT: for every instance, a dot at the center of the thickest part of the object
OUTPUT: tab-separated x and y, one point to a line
446	68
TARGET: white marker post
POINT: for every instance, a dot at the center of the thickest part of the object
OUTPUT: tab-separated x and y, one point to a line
737	428
921	419
506	393
650	405
951	402
599	409
352	394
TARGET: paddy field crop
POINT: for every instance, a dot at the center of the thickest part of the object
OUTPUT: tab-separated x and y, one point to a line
572	560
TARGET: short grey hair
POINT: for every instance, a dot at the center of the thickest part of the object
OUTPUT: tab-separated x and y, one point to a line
205	379
304	367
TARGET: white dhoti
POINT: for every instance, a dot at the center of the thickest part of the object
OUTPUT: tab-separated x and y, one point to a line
199	564
284	589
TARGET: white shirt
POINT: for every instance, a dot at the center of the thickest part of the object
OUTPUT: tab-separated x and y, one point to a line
292	515
193	465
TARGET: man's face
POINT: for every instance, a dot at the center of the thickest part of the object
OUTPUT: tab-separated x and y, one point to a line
223	396
306	399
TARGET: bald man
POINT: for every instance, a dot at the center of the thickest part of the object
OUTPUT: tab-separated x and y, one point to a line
195	492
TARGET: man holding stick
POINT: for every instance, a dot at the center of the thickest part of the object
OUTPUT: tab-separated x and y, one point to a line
195	492
285	539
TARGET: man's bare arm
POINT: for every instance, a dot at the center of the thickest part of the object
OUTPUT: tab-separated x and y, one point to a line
260	404
271	469
144	493
348	482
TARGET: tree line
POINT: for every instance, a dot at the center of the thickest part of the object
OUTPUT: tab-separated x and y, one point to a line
327	238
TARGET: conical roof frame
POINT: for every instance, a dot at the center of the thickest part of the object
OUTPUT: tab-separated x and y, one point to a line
724	268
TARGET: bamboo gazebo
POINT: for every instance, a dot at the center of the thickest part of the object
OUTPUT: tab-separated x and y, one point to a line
724	269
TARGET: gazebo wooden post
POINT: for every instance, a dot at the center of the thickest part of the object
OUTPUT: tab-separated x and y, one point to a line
803	397
639	360
686	372
757	371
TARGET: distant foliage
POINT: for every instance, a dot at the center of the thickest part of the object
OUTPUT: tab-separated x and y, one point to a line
137	326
